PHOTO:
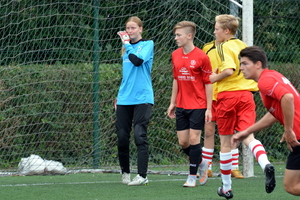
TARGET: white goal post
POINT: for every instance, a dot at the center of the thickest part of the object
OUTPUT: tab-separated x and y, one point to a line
248	39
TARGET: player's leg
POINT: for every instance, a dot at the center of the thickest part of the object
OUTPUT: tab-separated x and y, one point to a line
209	140
291	179
226	120
123	125
207	153
247	116
209	143
261	157
184	142
182	127
197	122
225	167
141	118
194	157
183	135
258	150
225	161
235	172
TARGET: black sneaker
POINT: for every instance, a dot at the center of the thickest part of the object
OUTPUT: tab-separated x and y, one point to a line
227	195
270	178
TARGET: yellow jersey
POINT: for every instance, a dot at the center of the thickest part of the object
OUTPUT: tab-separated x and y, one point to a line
211	52
228	57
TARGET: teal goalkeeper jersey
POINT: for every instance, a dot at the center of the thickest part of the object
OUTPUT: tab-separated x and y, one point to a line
136	85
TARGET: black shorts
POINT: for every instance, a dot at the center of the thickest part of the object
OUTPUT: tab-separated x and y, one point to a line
190	119
293	161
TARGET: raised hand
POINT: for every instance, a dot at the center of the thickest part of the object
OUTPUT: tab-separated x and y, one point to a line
124	37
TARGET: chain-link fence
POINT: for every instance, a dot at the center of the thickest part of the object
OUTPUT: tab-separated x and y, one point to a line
277	29
61	68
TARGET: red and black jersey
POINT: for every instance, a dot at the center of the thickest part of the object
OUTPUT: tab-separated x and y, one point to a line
192	72
272	86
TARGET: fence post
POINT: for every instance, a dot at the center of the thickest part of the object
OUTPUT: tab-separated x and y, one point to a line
96	153
248	39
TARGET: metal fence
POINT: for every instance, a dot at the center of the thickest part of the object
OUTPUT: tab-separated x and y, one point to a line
60	72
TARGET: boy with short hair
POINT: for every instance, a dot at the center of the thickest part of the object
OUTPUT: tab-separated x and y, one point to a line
282	101
191	97
235	103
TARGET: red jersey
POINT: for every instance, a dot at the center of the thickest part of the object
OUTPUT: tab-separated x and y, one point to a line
272	86
192	72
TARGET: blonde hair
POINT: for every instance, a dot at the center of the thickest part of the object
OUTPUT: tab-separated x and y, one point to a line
228	21
136	20
186	24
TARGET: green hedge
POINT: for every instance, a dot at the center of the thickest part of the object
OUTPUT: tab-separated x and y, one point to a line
48	110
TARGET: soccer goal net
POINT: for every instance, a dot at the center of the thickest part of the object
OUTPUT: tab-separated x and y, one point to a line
60	70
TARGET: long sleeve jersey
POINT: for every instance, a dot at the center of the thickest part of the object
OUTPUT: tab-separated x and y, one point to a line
136	86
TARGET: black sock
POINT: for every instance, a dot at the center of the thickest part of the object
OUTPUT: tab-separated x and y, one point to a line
187	151
195	158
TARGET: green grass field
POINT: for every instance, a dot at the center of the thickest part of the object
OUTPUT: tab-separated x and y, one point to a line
96	186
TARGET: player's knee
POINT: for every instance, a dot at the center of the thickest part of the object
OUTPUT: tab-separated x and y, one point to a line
140	135
184	144
194	141
292	189
123	139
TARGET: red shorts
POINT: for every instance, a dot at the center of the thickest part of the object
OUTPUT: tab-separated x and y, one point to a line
214	111
235	111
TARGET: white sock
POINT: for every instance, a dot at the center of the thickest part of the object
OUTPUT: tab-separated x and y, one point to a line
235	158
208	154
259	153
225	167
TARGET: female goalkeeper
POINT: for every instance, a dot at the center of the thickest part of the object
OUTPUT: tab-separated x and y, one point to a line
135	99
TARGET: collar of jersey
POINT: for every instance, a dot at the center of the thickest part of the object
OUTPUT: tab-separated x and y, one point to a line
138	41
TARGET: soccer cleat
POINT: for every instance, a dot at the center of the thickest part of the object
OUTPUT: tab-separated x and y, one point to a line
126	178
203	173
227	195
270	178
138	180
235	173
190	182
209	173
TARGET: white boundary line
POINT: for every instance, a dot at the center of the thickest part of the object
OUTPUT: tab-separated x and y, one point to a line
78	183
94	182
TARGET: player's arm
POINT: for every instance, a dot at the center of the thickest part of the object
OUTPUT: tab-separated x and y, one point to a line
228	65
208	87
138	58
209	94
264	122
171	109
287	105
215	77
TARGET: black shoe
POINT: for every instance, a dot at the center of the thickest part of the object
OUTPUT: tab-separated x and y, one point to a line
270	178
227	195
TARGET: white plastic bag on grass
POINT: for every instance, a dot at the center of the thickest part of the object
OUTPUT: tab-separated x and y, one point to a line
33	165
54	167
